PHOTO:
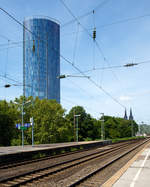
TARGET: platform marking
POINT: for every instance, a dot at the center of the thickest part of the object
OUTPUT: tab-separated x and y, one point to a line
117	175
139	171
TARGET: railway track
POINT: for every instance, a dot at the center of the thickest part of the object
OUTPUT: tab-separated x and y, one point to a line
53	172
25	162
6	165
93	177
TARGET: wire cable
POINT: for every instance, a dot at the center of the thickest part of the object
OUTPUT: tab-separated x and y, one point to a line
114	67
75	67
85	29
10	47
98	46
12	43
75	44
122	21
100	5
2	36
9	78
93	82
114	23
83	90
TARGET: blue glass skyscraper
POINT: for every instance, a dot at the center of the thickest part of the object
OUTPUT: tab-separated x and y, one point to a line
41	58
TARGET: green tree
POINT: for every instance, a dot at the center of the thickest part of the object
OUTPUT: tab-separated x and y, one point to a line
8	115
85	123
50	123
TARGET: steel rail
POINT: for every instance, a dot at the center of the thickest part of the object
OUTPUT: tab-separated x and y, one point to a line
83	179
40	173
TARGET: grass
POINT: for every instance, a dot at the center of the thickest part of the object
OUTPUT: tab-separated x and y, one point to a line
127	138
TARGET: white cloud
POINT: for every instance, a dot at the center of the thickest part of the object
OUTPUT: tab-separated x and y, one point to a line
125	98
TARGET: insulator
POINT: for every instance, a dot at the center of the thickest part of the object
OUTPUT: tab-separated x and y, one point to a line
7	85
94	34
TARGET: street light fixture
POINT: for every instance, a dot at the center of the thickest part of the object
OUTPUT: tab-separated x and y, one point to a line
9	85
79	76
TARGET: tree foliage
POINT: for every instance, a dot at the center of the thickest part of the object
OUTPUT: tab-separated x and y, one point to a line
51	124
8	115
145	129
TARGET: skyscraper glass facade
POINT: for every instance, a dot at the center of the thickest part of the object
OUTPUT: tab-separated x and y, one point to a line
41	65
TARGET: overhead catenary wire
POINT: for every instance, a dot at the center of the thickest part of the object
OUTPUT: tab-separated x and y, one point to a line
92	81
3	49
4	37
114	67
9	78
114	23
123	21
85	29
6	59
12	43
100	5
93	37
75	44
98	46
81	88
76	104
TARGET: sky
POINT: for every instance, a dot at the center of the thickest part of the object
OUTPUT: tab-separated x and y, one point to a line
122	37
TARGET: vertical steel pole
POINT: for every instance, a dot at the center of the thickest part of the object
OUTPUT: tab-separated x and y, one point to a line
22	124
74	130
32	132
77	130
102	128
23	83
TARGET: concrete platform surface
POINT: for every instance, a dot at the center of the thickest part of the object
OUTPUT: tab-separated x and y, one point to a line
138	173
27	148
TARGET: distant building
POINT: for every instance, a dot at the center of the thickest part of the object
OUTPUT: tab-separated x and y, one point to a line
130	116
41	65
125	115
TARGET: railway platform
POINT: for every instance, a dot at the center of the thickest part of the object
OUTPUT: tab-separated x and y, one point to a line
136	173
27	151
29	148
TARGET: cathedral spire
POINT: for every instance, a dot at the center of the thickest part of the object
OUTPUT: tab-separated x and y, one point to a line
131	116
125	115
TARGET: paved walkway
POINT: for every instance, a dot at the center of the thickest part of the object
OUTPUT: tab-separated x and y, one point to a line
27	148
136	173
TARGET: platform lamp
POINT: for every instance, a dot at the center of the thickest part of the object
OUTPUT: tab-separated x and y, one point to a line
75	116
22	112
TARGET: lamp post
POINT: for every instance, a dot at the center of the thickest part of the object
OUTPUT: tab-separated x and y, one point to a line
22	119
23	103
22	115
32	122
76	117
102	128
